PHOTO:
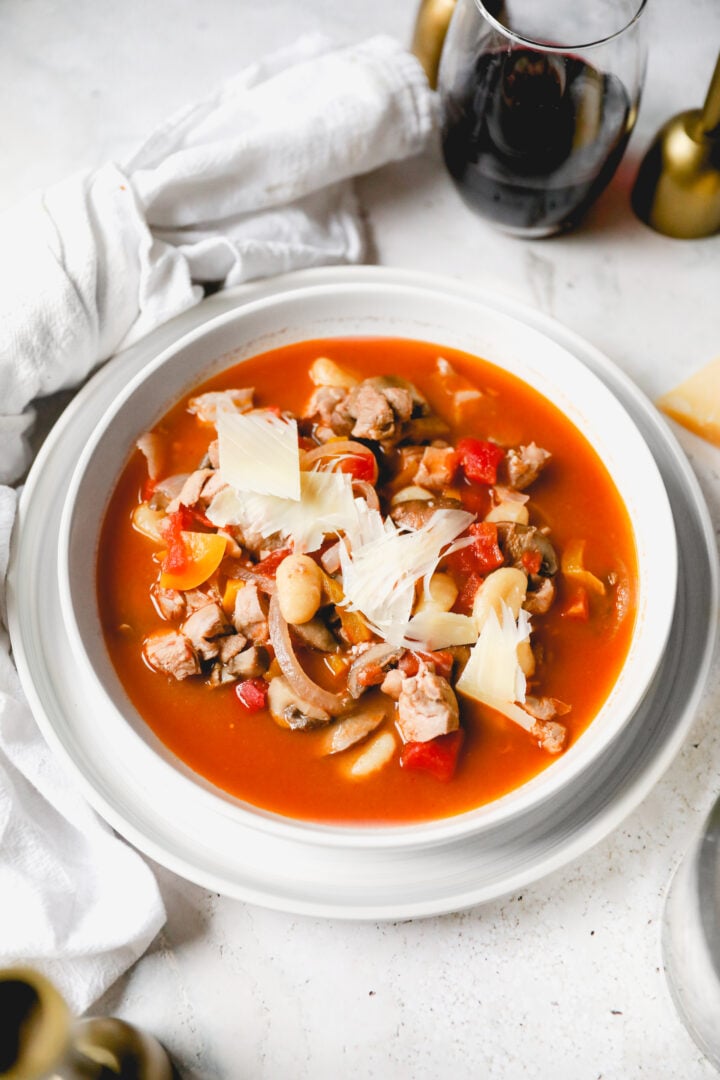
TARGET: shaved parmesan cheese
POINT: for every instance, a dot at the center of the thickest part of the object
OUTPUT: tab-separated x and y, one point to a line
259	453
493	674
326	505
430	630
381	565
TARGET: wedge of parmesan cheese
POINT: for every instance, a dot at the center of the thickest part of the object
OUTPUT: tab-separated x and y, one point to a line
695	403
493	674
259	453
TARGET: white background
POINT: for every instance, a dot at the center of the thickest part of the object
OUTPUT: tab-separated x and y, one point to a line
563	980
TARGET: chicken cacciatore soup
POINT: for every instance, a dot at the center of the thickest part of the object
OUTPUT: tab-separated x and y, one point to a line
366	581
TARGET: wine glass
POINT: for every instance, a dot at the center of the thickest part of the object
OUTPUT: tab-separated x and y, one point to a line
539	100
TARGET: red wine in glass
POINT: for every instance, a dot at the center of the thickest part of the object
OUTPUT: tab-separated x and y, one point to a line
531	138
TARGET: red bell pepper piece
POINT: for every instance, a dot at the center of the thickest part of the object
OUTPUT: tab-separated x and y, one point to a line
577	607
479	459
252	694
437	756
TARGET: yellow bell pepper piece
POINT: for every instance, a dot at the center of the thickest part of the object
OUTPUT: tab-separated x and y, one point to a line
204	554
355	629
232	588
573	567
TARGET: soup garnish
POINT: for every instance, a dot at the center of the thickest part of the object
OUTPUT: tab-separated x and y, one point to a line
389	574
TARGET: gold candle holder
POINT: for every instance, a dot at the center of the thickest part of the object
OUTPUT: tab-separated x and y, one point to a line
40	1040
677	191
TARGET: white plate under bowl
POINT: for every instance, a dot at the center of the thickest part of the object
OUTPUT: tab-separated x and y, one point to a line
297	869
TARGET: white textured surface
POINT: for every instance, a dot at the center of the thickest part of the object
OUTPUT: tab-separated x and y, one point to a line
564	981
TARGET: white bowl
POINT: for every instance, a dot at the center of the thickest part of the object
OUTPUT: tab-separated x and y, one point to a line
337	309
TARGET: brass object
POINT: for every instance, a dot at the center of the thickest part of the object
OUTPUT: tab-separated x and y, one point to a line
40	1040
677	190
431	24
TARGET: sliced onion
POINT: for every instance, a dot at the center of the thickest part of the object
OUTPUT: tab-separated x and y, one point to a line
331	454
301	683
243	573
365	489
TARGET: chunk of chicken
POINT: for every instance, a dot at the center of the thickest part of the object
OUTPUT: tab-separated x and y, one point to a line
323	403
377	409
171	652
169	603
550	735
204	627
438	466
525	463
250	615
427	707
191	489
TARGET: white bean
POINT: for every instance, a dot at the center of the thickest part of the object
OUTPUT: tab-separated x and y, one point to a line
443	594
299	583
377	754
509	511
408	494
506	585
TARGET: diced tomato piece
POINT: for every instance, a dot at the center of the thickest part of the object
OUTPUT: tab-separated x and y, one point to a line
577	607
438	756
532	561
360	466
191	517
408	664
480	557
442	662
475	498
479	459
268	566
464	603
252	694
177	558
486	550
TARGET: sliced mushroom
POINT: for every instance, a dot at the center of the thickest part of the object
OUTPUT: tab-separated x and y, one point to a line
417	512
518	540
352	729
371	666
315	635
290	711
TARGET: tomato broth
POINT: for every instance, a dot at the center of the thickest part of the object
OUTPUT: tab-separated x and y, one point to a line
579	652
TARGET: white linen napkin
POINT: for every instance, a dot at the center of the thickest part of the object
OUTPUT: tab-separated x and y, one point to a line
252	181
